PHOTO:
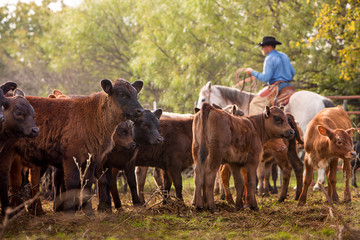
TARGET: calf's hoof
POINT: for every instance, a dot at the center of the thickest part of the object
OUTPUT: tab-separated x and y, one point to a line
265	195
281	199
316	187
102	207
139	204
230	201
222	197
301	203
199	208
254	208
212	210
239	207
37	211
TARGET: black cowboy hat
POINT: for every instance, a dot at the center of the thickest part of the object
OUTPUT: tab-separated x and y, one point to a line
269	41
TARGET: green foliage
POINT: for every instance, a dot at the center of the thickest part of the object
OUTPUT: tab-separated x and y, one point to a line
339	22
283	235
328	232
175	47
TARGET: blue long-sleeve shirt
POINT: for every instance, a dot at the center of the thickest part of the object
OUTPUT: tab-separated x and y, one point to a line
277	67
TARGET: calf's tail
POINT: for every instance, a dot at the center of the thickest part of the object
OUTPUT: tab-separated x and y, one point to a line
204	115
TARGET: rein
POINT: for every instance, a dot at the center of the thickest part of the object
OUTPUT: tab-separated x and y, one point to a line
209	94
253	85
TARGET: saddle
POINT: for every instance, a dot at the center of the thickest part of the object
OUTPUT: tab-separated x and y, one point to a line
284	96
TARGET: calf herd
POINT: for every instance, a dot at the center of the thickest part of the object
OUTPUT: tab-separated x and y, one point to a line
90	137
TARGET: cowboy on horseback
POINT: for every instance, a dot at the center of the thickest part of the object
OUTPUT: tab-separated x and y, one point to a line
278	72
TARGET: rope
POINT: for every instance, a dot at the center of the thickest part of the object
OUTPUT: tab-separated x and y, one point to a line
253	85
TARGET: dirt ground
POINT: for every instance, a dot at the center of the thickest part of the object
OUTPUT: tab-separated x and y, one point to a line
177	220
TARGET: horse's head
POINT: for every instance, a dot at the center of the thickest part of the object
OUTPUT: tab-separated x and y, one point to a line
210	94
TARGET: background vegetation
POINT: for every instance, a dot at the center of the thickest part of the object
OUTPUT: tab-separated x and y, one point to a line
175	47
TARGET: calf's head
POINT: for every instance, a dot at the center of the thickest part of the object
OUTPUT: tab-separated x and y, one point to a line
4	88
340	141
233	109
146	127
276	123
123	97
123	137
19	117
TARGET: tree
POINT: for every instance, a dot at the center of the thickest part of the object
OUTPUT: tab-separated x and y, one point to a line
21	56
337	33
185	44
92	42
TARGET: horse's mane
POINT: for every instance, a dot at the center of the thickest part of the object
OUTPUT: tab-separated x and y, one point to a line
234	95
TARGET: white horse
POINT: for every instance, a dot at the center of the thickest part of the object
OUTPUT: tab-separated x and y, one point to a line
303	105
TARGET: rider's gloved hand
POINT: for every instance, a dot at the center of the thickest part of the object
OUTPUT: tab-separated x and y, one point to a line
248	71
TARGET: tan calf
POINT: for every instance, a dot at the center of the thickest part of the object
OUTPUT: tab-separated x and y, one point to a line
328	138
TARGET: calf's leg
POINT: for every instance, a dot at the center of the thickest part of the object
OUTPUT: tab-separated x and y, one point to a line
239	185
225	181
199	185
347	175
286	170
210	176
140	179
131	179
274	174
251	183
308	175
175	175
114	190
331	178
35	178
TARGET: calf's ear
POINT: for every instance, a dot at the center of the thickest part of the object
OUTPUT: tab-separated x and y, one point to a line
234	109
158	113
107	86
216	106
8	86
267	111
350	131
327	132
18	92
57	92
138	85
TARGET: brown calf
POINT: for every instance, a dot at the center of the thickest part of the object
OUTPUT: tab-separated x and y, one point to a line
122	157
19	123
35	174
328	138
280	151
74	128
173	155
219	137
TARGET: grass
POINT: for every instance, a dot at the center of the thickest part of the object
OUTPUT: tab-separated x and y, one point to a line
177	220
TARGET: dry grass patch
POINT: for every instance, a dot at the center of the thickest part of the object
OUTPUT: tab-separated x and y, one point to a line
178	220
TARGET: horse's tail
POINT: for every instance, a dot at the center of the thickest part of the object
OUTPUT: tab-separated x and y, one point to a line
328	103
204	115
